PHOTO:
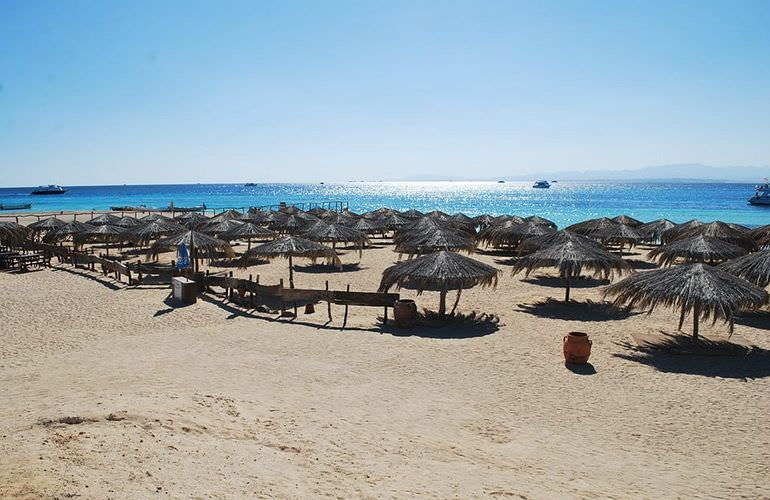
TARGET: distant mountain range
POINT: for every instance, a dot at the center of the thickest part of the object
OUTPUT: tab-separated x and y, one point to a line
669	173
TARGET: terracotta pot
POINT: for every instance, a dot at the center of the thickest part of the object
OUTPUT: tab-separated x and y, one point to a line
577	348
405	312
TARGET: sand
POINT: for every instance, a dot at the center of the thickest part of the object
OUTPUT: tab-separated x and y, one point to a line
203	401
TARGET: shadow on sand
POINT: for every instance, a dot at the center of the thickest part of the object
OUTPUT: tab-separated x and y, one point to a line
172	306
758	319
584	369
576	311
705	357
555	282
90	275
324	268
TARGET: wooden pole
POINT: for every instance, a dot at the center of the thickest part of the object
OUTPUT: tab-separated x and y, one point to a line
681	319
291	273
345	319
442	303
457	300
328	303
695	314
566	295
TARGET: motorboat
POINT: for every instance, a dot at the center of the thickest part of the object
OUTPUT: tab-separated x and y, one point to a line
15	206
49	189
762	196
541	185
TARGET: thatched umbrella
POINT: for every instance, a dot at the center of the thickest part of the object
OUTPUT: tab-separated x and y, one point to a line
754	267
368	226
696	249
227	214
439	238
104	233
46	225
536	219
619	234
68	230
393	221
653	230
587	227
412	214
222	226
349	213
761	235
463	219
154	230
194	220
289	224
571	258
483	220
318	211
127	222
707	291
289	247
248	231
536	243
190	215
198	244
440	272
100	220
628	221
722	231
156	218
12	233
513	234
674	232
335	233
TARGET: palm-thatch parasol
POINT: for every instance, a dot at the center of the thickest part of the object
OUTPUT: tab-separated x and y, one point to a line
127	222
349	213
289	247
198	244
761	235
512	234
463	219
154	230
156	218
707	291
194	220
104	233
536	219
653	230
412	214
439	238
483	220
393	221
619	234
587	227
628	221
536	243
46	225
368	226
722	231
335	233
227	214
754	267
571	258
247	231
674	232
221	226
440	271
696	249
318	211
100	220
12	233
289	224
68	230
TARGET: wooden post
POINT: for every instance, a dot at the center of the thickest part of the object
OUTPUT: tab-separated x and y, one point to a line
695	314
283	306
251	295
229	290
345	319
328	303
139	269
385	317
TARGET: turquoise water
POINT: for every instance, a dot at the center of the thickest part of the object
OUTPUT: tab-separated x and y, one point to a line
564	202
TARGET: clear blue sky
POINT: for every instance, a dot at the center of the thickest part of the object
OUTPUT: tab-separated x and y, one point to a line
162	91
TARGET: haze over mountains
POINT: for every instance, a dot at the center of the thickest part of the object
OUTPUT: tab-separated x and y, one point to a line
669	173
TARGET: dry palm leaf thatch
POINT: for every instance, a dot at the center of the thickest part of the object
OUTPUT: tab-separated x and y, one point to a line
222	226
720	231
105	234
154	230
191	215
463	219
103	219
628	220
619	234
421	226
512	235
696	249
761	235
393	221
438	214
156	218
500	219
536	243
45	225
127	222
536	219
290	210
572	257
412	214
707	291
754	267
13	234
590	226
247	231
289	247
291	224
192	220
335	233
198	244
440	271
653	230
674	232
380	212
227	214
440	238
318	211
349	213
483	220
368	226
68	230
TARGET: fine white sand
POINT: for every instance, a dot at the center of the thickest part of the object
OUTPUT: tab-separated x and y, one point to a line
204	401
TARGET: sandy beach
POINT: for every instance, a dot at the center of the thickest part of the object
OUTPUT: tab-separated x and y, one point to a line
111	391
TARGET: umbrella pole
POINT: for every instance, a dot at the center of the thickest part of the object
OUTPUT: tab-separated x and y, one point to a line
695	314
457	301
681	319
442	304
566	294
291	273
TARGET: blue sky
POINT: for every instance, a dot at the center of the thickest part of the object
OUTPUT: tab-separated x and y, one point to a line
165	91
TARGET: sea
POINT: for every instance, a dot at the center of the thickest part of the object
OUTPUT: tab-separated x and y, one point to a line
564	203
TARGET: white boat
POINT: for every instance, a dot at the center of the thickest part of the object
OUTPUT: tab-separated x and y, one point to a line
541	185
762	196
49	189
